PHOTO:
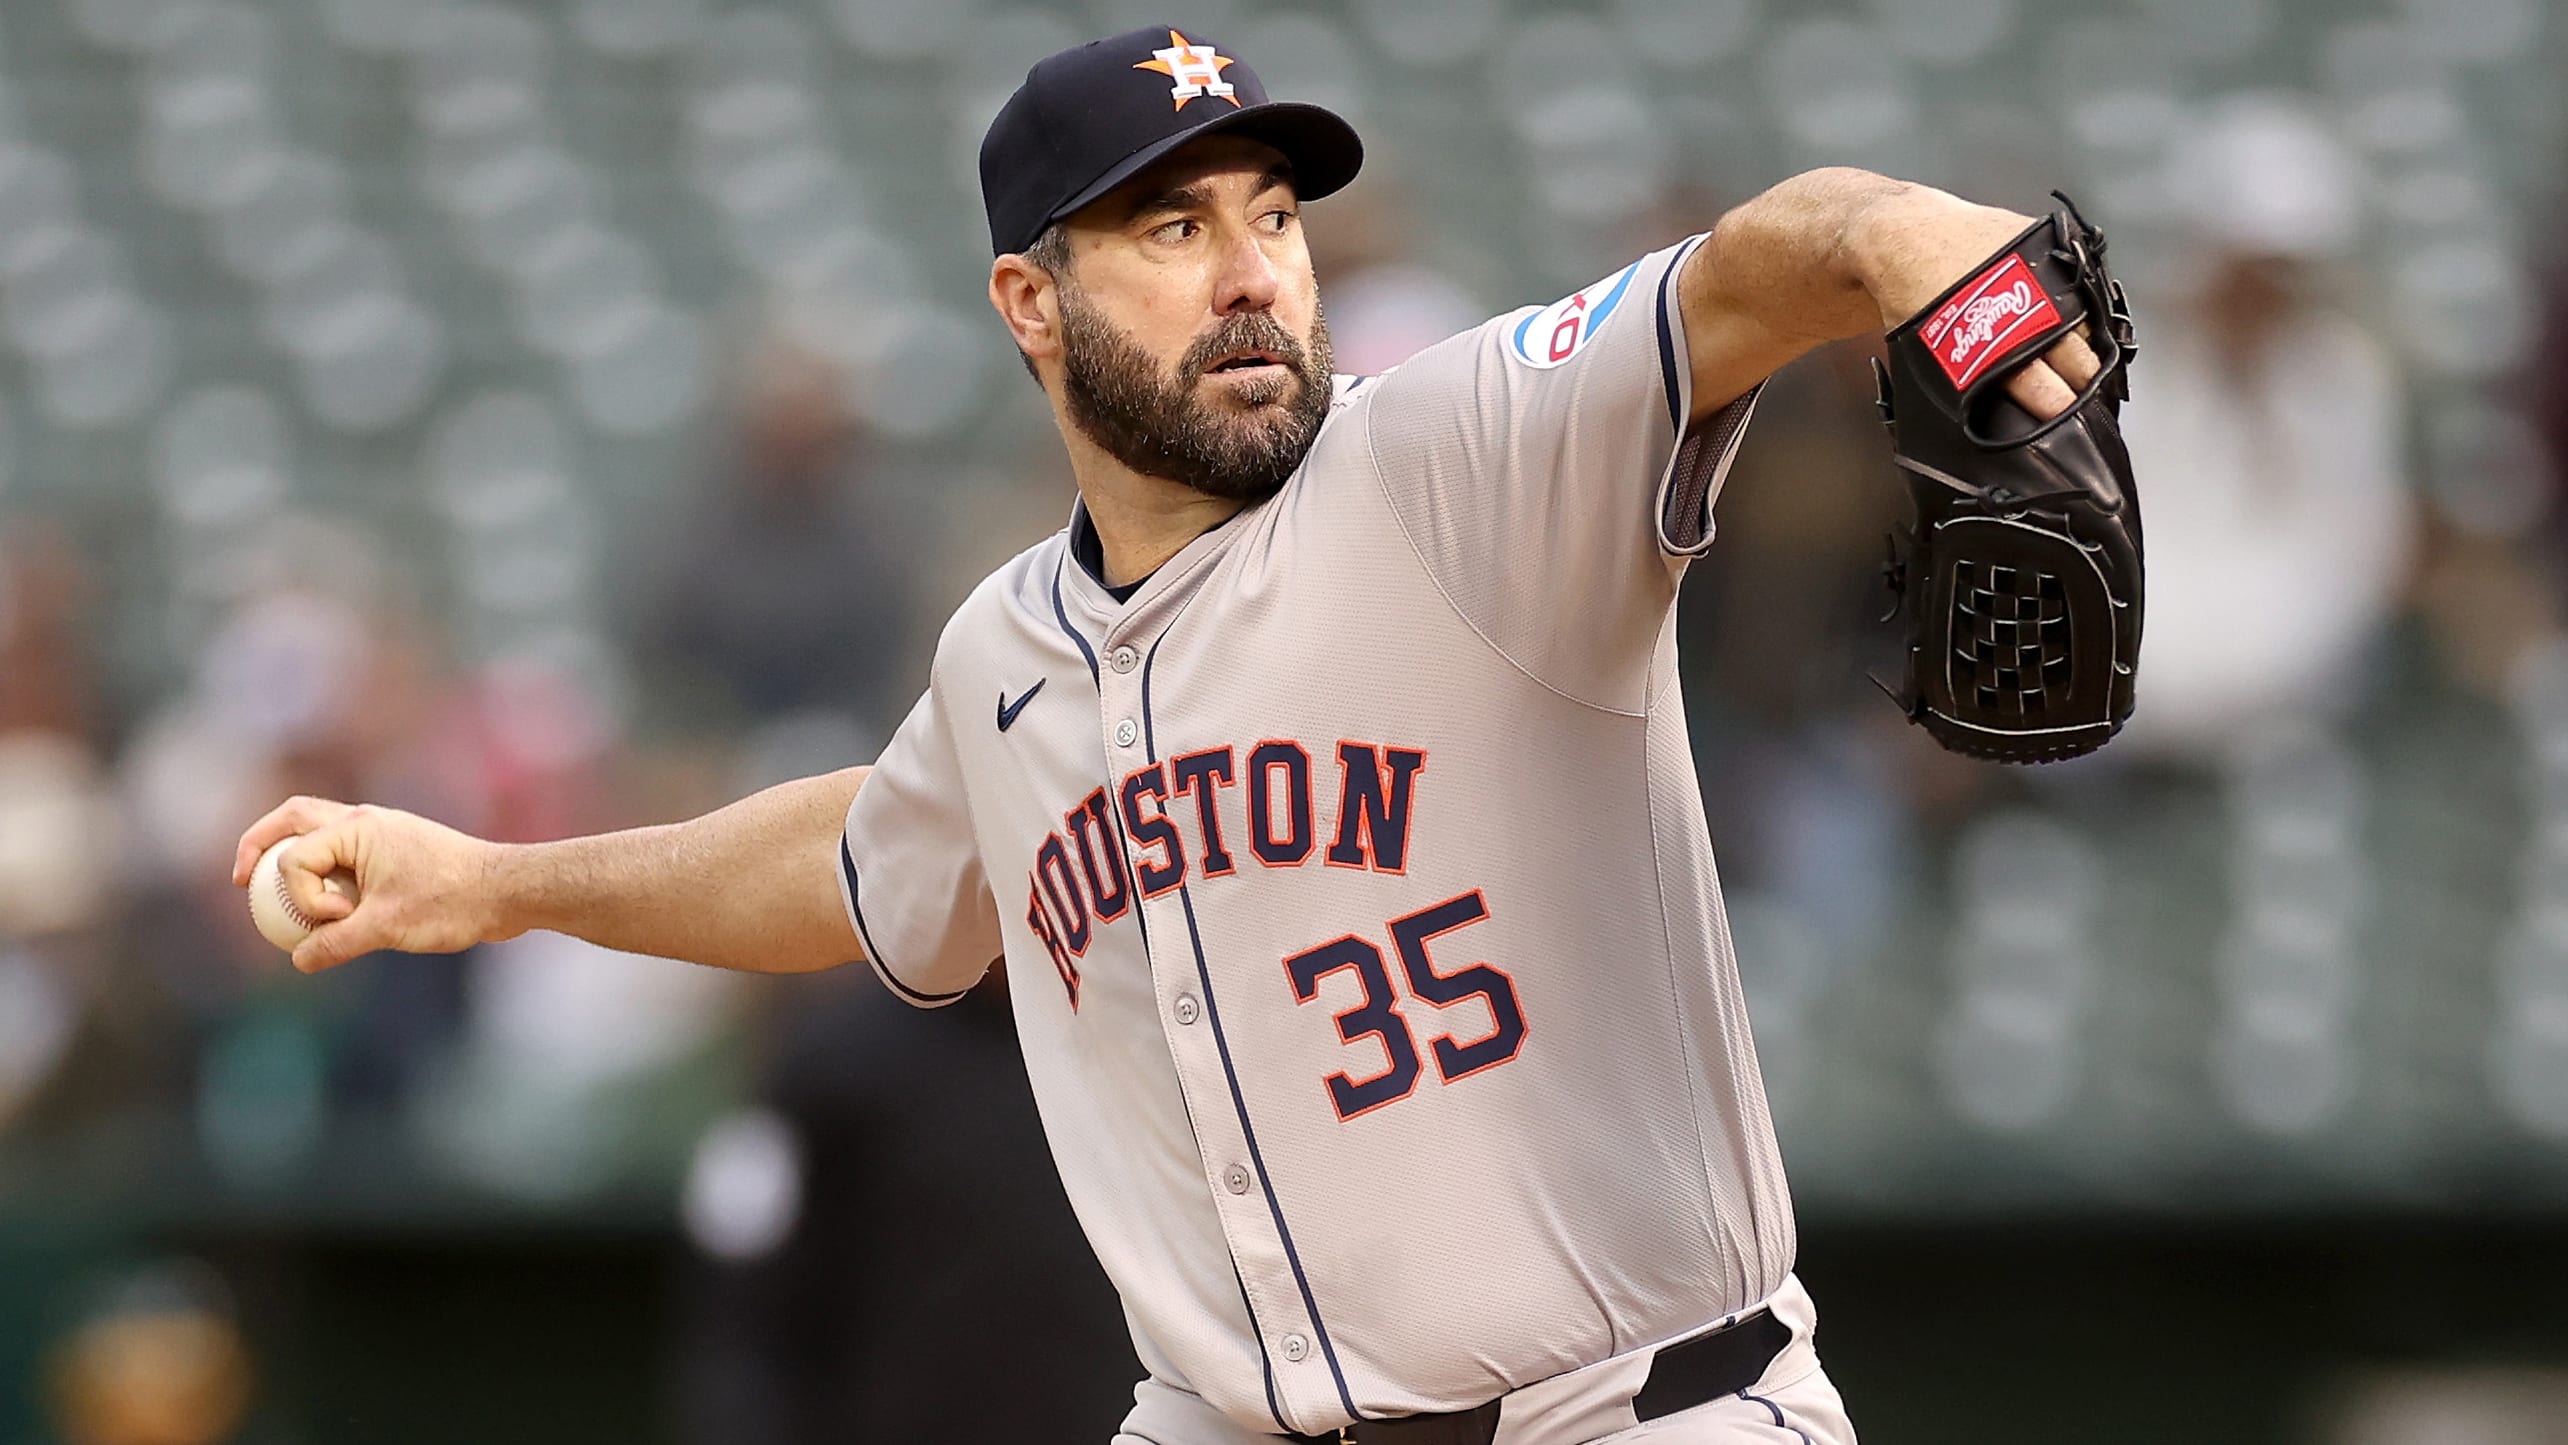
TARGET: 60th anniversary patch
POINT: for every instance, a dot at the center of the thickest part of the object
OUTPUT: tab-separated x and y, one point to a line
1559	331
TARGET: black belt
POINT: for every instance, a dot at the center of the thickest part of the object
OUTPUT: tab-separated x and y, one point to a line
1682	1376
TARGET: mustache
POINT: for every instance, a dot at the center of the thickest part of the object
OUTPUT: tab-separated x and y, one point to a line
1242	331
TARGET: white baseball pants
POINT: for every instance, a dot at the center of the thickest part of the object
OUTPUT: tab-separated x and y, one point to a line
1792	1403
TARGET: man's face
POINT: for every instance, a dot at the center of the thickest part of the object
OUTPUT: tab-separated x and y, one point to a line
1193	348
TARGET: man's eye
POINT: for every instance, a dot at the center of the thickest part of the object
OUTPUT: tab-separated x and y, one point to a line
1180	230
1279	221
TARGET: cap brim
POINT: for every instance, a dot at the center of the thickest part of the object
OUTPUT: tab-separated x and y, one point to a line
1323	148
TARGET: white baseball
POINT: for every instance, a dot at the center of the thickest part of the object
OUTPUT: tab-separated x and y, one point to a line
272	908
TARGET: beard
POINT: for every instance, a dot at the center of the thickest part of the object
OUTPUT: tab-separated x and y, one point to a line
1241	446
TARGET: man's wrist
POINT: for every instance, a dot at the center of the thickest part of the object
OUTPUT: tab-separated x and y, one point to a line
1911	248
1881	236
507	876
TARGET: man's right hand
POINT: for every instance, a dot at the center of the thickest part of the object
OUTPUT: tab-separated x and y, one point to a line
422	887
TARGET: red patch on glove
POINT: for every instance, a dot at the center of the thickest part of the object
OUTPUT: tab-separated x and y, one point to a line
1988	319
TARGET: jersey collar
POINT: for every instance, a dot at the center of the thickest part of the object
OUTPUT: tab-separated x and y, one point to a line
1089	551
1095	609
1082	565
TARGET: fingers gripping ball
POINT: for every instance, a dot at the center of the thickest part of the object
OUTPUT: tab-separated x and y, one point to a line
272	908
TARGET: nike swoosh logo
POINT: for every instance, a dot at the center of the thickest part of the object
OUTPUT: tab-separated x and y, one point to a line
1008	710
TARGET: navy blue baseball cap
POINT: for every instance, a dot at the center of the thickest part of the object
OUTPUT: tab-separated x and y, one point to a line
1087	119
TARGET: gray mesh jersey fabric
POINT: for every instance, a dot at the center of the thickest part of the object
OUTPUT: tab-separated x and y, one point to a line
1355	894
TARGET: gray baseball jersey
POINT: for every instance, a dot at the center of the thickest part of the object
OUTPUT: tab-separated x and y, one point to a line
1355	894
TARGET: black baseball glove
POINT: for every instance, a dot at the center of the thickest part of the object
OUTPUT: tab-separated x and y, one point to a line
2020	582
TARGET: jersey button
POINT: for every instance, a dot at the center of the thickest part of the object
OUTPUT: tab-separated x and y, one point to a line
1296	1348
1235	1179
1125	732
1187	1009
1124	659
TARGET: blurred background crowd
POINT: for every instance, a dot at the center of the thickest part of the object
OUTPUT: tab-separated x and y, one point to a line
559	415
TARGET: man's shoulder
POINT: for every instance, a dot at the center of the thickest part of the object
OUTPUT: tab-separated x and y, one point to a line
1017	593
1450	367
1344	389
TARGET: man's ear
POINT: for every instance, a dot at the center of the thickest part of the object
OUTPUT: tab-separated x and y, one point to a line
1025	297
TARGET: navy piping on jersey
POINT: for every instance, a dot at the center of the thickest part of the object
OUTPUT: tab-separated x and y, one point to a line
1062	615
1777	1412
1265	1362
874	956
1688	504
1267	1366
1239	1102
1667	348
1149	734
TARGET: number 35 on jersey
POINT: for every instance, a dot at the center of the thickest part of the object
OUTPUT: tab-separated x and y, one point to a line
1079	883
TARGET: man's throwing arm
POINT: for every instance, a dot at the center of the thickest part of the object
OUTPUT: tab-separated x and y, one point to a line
751	886
1838	253
2020	586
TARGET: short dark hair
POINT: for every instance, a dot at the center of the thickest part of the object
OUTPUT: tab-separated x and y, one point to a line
1051	251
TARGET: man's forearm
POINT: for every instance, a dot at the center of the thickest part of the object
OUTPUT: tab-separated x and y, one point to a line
1825	255
1803	257
752	886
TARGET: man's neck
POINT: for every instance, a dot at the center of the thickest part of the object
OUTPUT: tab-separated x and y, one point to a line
1140	521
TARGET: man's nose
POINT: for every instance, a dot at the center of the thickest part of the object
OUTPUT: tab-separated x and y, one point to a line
1249	280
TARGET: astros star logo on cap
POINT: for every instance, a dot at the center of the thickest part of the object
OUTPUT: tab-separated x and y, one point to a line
1196	69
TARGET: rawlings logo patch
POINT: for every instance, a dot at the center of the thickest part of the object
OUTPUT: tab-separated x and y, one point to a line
1986	320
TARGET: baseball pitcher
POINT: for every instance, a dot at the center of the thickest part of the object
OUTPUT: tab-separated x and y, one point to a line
1322	784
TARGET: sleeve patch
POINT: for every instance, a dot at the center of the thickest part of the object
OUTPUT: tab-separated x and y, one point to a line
1555	334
